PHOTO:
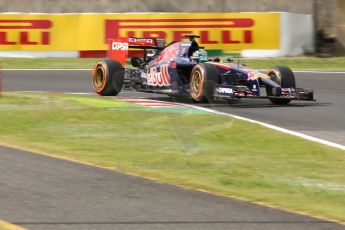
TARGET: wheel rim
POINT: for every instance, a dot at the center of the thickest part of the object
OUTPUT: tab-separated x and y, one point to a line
197	83
99	77
275	77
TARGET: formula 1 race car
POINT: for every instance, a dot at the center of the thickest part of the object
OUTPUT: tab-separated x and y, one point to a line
183	69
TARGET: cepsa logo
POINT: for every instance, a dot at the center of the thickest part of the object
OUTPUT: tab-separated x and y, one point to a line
25	32
224	30
119	46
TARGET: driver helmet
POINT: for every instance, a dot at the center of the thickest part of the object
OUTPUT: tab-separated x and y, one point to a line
200	55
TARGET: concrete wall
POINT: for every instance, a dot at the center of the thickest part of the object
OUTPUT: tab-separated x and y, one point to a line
329	17
325	16
115	6
340	26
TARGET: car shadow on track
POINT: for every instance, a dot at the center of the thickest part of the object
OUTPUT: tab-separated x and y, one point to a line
245	103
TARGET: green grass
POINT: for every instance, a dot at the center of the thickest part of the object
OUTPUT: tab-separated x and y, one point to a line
336	63
198	151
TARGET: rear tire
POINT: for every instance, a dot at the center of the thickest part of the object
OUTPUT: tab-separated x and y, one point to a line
284	77
202	83
107	77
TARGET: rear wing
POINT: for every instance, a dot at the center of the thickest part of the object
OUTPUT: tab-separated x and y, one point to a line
146	43
119	48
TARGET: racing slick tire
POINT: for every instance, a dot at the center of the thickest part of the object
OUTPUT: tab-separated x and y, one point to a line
107	77
203	79
284	77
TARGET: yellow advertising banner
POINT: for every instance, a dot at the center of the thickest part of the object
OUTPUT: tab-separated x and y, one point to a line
81	32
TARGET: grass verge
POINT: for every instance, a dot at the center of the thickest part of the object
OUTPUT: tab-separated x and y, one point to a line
198	151
298	63
305	63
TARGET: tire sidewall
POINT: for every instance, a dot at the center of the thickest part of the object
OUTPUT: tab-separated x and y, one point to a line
197	70
284	77
100	66
210	77
113	77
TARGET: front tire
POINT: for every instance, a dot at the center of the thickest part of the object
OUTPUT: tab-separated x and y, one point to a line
284	77
107	77
202	83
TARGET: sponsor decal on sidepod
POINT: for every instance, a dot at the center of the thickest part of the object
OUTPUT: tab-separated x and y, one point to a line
160	78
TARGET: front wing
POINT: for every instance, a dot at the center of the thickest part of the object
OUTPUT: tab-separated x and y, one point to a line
236	92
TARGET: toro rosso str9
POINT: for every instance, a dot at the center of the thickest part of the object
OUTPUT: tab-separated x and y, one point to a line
183	69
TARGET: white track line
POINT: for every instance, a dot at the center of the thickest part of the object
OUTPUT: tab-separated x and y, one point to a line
280	129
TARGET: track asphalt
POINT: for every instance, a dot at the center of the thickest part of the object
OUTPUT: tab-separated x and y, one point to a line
39	192
43	193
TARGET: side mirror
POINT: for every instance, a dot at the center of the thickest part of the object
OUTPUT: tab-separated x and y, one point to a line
136	62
